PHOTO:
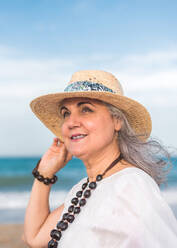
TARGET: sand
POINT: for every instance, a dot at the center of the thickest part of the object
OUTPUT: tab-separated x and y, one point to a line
10	236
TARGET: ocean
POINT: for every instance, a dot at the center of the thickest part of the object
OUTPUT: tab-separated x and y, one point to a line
16	182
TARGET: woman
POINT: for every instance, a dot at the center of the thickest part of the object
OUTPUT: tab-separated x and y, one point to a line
119	204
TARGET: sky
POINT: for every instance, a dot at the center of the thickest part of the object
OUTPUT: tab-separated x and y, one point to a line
43	42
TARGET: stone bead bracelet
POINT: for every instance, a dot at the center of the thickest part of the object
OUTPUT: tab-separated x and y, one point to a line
41	178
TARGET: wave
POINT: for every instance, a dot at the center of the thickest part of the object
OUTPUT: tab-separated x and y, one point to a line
17	200
13	204
170	196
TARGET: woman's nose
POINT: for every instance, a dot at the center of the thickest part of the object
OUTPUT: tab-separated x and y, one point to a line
73	121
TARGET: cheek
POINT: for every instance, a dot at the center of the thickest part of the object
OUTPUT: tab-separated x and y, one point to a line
101	127
63	130
90	125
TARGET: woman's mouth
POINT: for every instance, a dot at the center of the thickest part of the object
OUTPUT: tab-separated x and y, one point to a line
77	136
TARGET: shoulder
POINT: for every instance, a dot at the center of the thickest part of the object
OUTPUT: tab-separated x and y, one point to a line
134	178
137	193
138	185
134	188
134	194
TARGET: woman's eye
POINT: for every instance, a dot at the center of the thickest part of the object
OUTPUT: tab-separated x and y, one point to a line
65	114
86	109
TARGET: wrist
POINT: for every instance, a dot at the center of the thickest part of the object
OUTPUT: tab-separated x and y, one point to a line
46	178
45	169
45	173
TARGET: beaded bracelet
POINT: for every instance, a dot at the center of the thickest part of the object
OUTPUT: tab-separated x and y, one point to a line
45	180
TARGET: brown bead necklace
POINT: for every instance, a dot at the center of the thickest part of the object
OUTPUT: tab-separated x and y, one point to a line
75	208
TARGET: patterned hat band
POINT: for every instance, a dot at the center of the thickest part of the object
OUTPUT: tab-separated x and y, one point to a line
87	86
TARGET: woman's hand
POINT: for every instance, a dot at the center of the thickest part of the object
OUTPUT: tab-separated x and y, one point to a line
54	159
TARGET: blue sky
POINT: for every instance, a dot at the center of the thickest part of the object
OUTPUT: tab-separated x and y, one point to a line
55	27
43	42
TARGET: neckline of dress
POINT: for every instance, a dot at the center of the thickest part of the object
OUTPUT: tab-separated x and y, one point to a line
118	173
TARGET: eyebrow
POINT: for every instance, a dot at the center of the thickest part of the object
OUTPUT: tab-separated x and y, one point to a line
78	105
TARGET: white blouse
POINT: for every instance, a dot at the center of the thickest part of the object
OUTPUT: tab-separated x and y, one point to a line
126	210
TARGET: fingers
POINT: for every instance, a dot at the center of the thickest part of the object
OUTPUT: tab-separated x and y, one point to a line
56	141
58	144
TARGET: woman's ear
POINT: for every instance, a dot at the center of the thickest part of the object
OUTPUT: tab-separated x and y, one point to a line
117	124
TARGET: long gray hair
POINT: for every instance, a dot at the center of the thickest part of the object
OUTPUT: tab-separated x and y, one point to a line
149	155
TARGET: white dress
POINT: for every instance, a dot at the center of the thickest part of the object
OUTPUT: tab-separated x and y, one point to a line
126	210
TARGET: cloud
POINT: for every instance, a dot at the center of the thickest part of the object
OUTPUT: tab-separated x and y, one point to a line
153	58
6	51
149	78
32	70
151	74
21	78
149	71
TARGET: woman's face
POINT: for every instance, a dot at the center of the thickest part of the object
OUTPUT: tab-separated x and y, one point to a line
88	127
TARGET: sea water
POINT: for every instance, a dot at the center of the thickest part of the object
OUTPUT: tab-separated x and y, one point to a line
16	181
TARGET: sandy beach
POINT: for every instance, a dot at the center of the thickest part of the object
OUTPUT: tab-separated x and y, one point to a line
10	236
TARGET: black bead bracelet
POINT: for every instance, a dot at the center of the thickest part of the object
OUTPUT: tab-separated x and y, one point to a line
45	180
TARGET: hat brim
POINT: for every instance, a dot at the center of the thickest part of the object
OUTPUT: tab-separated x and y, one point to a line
46	108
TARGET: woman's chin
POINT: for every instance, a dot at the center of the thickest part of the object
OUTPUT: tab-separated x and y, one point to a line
79	154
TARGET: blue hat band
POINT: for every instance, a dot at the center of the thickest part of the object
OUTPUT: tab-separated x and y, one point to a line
87	86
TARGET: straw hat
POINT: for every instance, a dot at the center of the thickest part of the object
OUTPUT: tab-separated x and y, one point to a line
94	84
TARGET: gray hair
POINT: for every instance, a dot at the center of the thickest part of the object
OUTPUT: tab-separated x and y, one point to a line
149	155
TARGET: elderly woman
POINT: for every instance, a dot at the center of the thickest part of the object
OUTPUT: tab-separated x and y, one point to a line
120	203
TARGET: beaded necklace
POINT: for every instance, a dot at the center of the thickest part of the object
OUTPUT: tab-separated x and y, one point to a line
75	208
